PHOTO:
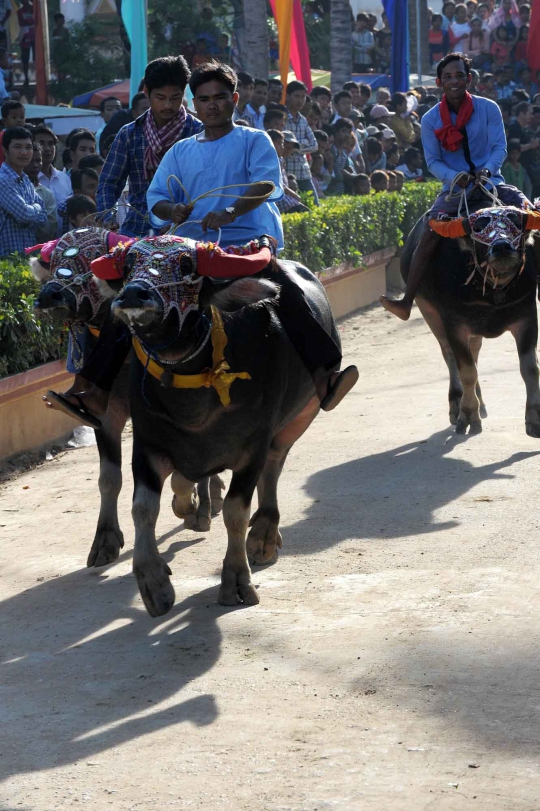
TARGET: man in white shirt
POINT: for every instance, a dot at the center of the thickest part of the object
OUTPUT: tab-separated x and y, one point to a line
49	177
256	108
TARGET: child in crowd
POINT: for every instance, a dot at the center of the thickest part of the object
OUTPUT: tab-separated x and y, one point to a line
362	185
520	51
460	29
320	175
412	164
13	115
80	211
487	87
285	143
501	48
392	181
439	43
514	172
379	181
476	47
400	179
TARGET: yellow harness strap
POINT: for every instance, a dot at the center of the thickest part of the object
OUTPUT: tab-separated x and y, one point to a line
93	331
219	377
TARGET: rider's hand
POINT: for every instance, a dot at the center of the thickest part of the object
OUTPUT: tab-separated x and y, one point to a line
482	175
464	181
216	219
180	213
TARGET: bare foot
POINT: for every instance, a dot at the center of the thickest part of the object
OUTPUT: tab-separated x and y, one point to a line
399	308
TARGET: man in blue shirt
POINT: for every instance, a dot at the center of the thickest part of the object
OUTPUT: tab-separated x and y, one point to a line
461	134
21	208
139	146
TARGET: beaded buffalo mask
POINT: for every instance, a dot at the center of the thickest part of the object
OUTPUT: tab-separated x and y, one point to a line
497	224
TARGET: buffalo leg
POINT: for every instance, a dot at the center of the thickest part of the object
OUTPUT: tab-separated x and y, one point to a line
217	485
236	585
526	336
264	539
150	569
109	540
475	344
469	409
455	390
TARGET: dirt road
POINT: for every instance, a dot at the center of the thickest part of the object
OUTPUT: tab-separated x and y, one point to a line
393	662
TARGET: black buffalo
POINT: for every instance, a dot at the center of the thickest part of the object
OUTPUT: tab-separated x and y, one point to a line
70	293
479	288
195	432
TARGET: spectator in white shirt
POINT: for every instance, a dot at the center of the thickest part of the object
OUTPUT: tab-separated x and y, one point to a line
256	107
49	177
460	29
412	164
363	44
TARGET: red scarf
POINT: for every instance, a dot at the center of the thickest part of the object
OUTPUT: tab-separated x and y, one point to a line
449	134
158	142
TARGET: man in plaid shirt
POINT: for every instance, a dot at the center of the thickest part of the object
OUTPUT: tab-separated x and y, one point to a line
139	146
297	123
21	208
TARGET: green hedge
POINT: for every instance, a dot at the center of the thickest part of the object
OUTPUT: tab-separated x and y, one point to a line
342	229
25	342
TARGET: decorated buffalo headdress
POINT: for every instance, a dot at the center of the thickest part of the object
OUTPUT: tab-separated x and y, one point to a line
69	259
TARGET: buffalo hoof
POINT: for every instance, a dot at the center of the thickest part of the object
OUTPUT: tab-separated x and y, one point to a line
183	512
156	589
217	485
237	588
198	523
476	428
261	551
106	547
532	429
454	411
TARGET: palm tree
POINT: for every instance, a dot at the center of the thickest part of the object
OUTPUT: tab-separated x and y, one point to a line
256	24
340	43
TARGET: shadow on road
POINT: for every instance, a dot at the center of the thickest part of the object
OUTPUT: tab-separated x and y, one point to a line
393	494
83	671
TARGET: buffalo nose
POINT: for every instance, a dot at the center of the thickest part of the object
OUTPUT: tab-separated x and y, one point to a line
49	299
500	247
134	295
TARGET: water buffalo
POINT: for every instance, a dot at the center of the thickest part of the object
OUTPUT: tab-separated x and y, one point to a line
70	293
482	283
212	389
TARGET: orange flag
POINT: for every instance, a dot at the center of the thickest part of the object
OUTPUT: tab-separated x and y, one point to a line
283	13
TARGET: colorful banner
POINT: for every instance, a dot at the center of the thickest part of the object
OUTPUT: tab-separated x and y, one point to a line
397	12
293	46
134	17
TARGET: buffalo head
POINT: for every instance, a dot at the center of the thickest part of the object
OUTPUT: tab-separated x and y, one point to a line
497	236
69	290
164	286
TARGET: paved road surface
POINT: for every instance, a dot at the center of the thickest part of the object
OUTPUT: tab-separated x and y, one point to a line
393	662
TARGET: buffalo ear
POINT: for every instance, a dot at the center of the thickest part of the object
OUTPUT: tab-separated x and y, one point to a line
242	292
110	288
41	271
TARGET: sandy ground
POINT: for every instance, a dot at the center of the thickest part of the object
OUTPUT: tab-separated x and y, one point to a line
393	662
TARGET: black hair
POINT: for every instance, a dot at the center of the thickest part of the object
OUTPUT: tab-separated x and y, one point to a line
328	129
411	153
398	98
362	176
522	107
536	109
342	94
82	135
321	135
10	105
321	91
505	104
245	79
315	106
104	102
79	204
66	158
77	176
350	85
455	56
167	70
91	162
521	95
295	85
272	115
59	14
365	89
378	174
373	146
261	83
513	144
498	71
431	98
137	98
342	124
41	129
213	72
241	122
436	17
362	17
275	134
15	133
274	105
525	67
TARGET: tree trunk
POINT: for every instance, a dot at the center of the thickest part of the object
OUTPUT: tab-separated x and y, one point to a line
340	43
256	24
413	42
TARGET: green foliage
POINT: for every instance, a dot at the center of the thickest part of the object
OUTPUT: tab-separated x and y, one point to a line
343	229
25	342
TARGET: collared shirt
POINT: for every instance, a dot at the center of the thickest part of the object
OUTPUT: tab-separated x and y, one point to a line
243	116
59	183
362	42
241	157
286	203
506	91
49	231
256	116
125	161
487	143
21	211
297	164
